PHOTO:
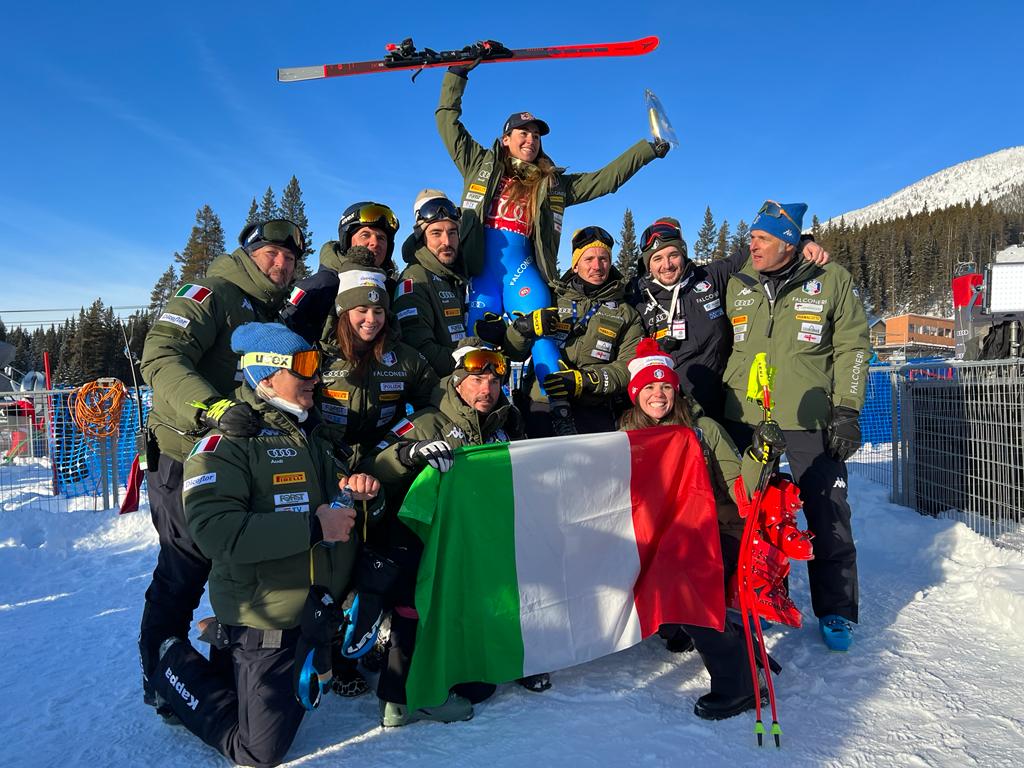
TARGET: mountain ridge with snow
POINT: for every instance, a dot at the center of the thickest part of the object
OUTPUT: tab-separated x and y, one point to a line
987	178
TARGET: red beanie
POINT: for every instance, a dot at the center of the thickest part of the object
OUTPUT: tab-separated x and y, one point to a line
650	364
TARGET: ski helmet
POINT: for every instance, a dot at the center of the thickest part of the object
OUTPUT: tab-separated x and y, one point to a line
367	214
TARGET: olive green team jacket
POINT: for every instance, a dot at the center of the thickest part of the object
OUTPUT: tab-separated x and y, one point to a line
453	421
249	502
606	343
481	170
430	304
359	409
815	334
187	356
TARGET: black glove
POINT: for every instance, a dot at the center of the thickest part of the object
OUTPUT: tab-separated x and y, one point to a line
768	443
571	382
436	453
540	322
320	623
232	418
491	328
660	147
843	433
669	344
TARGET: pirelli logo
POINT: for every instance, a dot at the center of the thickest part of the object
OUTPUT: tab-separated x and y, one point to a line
454	312
287	478
606	331
336	394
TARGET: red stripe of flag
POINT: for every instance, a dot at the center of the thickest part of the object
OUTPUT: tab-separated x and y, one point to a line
676	526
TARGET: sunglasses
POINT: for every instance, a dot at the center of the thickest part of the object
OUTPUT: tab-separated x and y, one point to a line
481	360
660	231
775	210
438	209
305	364
375	213
589	236
281	232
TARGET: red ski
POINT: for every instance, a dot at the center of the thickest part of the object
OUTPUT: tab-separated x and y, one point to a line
405	56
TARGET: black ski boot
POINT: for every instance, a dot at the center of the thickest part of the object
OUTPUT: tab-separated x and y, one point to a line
715	706
562	423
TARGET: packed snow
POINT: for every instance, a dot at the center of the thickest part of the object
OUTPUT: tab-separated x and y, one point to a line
986	178
934	677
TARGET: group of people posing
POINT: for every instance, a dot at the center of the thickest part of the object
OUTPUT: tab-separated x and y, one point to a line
289	420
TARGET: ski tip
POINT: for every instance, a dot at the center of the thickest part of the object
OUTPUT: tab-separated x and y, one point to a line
649	43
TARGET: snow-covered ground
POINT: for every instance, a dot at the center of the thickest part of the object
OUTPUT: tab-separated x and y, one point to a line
934	679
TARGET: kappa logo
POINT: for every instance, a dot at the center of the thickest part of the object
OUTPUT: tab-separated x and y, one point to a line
282	453
745	292
246	304
840	483
455	432
191	701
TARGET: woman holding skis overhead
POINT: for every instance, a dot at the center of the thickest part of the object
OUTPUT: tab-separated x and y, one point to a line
513	201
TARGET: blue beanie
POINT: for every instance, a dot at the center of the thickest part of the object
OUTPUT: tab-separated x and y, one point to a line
779	225
265	337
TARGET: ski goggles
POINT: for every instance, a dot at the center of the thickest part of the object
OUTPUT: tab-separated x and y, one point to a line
280	232
438	209
776	211
478	361
588	236
660	232
371	214
304	364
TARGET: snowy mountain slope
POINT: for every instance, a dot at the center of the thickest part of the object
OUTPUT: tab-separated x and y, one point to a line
987	177
933	680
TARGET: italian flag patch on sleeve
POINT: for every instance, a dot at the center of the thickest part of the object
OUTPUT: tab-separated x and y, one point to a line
207	445
297	295
403	427
197	293
404	287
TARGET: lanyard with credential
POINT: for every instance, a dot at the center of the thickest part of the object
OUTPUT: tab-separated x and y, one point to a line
582	323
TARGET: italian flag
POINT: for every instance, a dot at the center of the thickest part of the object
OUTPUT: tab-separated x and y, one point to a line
195	292
542	554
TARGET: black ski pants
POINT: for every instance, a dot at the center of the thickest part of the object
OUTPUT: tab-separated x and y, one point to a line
247	711
181	569
822	480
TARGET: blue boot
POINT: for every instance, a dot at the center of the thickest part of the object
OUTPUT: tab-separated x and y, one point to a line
837	632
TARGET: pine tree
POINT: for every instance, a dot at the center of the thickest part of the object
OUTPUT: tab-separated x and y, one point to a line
722	243
628	249
254	214
705	243
294	209
163	291
205	243
268	207
740	240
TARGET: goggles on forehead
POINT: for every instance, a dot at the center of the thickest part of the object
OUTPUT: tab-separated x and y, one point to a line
304	364
660	231
438	209
583	238
481	360
375	213
280	232
776	211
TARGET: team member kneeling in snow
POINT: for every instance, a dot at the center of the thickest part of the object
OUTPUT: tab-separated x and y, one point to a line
258	508
473	411
654	390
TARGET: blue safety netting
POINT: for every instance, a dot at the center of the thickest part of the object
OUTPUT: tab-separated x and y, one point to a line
79	459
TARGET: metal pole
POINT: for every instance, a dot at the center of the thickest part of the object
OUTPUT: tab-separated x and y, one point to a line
113	471
104	458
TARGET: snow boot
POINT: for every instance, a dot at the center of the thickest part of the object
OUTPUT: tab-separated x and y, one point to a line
348	681
537	683
837	632
715	706
676	639
562	423
455	708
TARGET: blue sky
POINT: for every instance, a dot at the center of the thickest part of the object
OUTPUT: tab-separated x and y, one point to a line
123	118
